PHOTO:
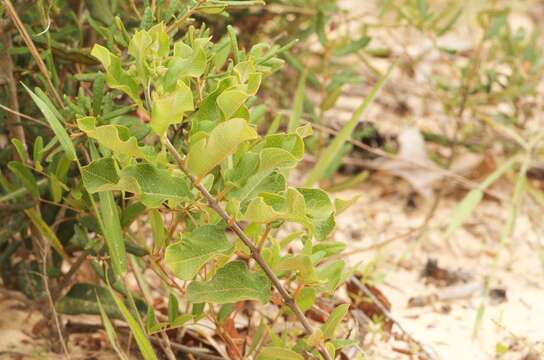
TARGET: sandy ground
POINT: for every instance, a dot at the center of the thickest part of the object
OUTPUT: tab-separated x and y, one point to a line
446	327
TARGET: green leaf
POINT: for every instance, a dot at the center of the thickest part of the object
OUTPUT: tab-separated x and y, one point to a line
232	283
329	247
498	20
422	7
281	151
464	209
111	228
301	264
180	67
353	46
332	151
116	77
157	185
110	331
318	203
230	101
342	205
469	203
101	11
131	212
152	185
19	147
26	177
306	298
207	153
115	137
46	231
173	307
55	186
139	335
333	274
82	299
37	152
56	126
157	228
224	312
99	173
320	211
272	207
334	320
278	353
271	182
298	103
168	109
186	257
330	99
146	44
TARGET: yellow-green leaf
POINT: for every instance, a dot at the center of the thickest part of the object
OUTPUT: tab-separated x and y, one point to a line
223	140
169	108
115	137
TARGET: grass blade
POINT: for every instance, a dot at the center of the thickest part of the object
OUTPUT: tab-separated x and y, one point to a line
298	103
343	135
111	227
465	208
110	331
46	231
139	335
55	124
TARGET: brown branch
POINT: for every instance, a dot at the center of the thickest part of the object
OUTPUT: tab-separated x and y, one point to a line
12	13
255	254
13	121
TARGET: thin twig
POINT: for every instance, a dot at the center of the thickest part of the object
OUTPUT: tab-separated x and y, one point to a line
24	116
44	249
255	254
388	314
65	281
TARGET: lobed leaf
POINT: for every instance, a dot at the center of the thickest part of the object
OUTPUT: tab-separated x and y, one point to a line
152	185
168	109
186	257
115	137
232	283
116	77
207	153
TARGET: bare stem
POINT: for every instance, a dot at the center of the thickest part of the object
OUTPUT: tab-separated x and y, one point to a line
255	254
